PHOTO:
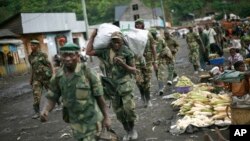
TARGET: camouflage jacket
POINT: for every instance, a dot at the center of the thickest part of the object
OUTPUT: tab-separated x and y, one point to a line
164	54
79	97
192	40
41	67
118	75
173	45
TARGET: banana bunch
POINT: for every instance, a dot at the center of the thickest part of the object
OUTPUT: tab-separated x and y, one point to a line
184	81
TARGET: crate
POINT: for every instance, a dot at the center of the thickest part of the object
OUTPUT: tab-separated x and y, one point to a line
184	89
217	61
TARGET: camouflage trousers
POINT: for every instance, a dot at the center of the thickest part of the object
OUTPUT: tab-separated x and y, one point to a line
37	87
162	72
143	80
124	108
171	71
194	55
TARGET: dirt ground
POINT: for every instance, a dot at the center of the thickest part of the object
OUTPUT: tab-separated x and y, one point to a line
153	123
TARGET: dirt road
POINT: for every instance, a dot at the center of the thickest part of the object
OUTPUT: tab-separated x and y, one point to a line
153	123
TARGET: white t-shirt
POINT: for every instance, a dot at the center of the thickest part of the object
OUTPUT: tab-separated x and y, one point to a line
210	33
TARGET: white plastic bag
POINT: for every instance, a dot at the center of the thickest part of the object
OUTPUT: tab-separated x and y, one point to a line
103	36
136	40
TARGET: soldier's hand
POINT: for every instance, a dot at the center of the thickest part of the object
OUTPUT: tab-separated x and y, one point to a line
44	116
106	123
118	60
155	66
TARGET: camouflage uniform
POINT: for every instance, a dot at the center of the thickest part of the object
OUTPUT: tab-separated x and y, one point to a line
193	45
174	47
79	99
41	74
144	64
165	61
122	82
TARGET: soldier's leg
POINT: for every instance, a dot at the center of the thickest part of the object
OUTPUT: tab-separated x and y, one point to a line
147	78
161	77
139	82
170	73
129	110
37	93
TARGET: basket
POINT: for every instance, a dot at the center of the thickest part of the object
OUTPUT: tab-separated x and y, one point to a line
217	61
184	89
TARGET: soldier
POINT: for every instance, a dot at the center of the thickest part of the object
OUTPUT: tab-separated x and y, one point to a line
82	95
119	60
174	47
164	59
143	77
193	41
41	72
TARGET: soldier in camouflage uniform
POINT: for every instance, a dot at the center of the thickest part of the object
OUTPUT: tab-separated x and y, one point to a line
41	72
174	47
119	60
144	64
164	59
193	41
82	95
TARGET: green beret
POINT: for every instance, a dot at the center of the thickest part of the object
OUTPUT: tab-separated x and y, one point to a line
70	47
34	42
139	20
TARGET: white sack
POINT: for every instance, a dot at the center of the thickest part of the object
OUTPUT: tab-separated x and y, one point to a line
103	36
136	40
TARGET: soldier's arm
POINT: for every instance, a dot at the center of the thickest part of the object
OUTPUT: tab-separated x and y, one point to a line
97	91
129	65
153	47
50	104
90	49
176	46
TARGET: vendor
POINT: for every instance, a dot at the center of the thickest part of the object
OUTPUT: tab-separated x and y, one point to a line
240	88
234	57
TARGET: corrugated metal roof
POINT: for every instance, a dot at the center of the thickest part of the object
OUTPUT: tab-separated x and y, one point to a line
51	22
7	33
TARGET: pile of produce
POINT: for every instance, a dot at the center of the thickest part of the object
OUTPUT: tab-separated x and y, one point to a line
184	81
201	108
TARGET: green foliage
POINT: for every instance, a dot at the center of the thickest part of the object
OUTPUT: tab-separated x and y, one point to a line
100	11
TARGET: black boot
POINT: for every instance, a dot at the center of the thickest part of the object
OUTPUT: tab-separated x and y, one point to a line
132	132
126	127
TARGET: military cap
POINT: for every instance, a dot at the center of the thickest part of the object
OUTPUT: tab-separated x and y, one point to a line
34	42
116	35
139	20
70	47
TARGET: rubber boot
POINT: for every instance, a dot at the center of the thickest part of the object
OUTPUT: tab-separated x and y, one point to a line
147	97
37	112
196	69
143	98
161	88
127	128
132	133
